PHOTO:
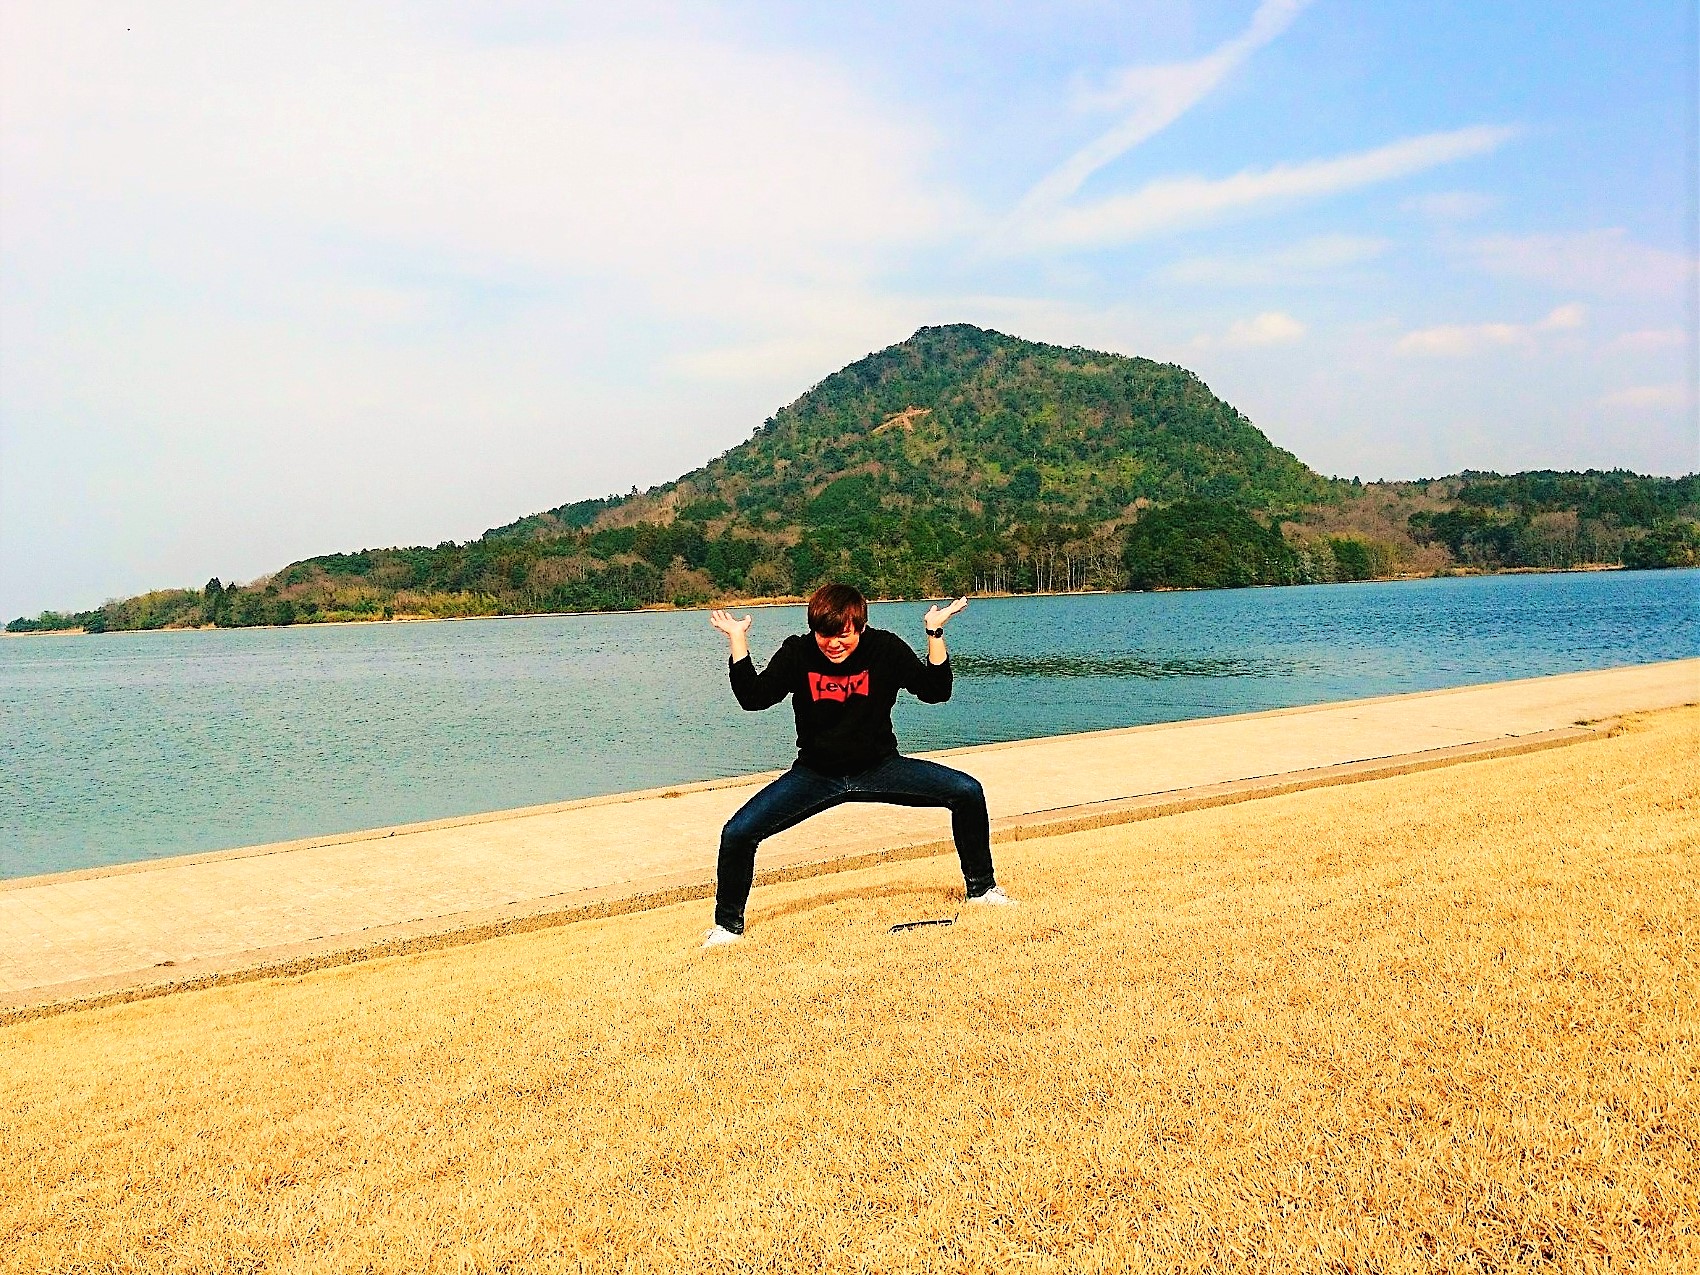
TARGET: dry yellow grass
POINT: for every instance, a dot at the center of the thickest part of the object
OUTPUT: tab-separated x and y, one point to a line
1441	1021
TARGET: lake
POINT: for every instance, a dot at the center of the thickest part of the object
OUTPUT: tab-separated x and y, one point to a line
130	746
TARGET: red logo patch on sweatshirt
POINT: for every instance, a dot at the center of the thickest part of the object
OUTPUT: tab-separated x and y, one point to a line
840	688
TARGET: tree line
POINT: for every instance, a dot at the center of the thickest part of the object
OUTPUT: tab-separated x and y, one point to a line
963	460
850	535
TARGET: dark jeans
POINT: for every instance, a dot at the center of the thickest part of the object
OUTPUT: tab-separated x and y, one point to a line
801	792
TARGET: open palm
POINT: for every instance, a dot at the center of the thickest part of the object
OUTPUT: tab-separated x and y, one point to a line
937	615
729	624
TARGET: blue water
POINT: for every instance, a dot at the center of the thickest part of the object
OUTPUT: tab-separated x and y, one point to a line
129	746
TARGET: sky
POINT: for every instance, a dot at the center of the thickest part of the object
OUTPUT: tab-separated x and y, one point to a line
279	280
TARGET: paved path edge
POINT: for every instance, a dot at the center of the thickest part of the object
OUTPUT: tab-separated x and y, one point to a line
735	781
412	937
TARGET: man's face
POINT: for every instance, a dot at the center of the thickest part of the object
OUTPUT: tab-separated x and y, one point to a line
838	647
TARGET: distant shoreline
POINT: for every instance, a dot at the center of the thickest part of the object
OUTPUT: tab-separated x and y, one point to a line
799	600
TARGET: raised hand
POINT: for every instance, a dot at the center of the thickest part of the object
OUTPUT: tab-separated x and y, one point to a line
730	625
737	632
937	615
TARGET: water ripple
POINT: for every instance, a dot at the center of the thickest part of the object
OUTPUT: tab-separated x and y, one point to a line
1126	665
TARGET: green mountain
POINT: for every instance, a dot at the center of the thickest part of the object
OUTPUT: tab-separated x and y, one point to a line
967	460
948	461
1024	427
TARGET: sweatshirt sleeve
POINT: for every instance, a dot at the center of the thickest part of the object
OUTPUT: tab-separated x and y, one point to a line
929	683
756	691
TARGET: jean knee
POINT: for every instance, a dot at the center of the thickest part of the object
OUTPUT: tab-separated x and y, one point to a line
739	834
967	791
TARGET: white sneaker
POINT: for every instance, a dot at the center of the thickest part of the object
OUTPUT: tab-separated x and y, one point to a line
719	936
995	898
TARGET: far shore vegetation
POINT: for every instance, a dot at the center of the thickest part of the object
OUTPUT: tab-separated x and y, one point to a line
966	461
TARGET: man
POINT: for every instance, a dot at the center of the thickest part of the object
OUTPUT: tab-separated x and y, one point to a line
843	678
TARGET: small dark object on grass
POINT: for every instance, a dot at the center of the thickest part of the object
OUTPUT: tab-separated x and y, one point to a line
915	925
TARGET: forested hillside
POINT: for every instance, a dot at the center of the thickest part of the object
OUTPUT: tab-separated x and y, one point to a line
967	460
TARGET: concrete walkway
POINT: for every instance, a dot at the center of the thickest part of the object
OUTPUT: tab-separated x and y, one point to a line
114	933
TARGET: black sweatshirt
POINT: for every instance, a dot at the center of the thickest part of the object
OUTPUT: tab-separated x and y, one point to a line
843	710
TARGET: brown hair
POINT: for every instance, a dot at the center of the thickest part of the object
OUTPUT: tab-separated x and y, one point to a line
835	606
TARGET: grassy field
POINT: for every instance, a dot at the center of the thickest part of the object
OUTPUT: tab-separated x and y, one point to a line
1445	1021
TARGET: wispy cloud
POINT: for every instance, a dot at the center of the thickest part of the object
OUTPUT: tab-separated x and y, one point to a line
1461	340
1454	340
1177	202
1303	262
1648	339
1566	318
1601	261
1270	328
1158	96
1646	397
1154	97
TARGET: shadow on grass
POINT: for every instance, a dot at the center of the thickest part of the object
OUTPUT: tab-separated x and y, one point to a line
944	900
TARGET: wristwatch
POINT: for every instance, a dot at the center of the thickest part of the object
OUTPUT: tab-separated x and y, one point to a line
938	633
